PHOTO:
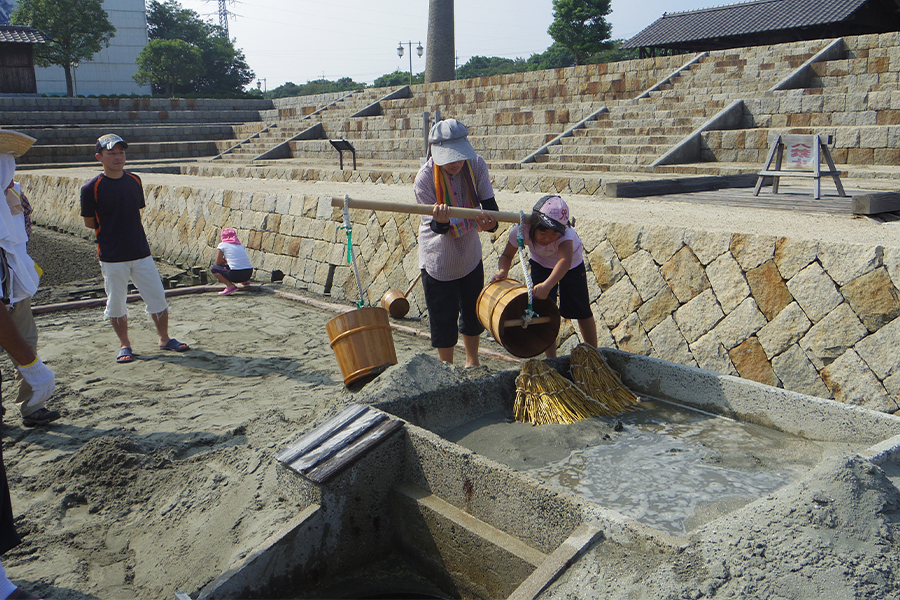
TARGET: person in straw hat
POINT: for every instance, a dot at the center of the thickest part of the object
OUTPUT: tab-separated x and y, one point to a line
111	205
37	375
450	249
23	278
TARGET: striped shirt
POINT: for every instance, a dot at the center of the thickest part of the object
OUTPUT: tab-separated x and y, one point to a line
442	256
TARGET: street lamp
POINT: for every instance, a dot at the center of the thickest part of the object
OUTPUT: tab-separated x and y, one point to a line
261	84
419	50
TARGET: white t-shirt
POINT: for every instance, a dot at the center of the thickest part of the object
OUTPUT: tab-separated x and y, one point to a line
235	256
548	256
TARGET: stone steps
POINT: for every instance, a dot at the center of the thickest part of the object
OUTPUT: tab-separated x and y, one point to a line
119	117
136	150
58	135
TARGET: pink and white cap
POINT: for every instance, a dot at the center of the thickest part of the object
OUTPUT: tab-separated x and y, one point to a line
553	212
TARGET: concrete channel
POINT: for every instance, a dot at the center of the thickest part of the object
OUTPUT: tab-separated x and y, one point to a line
398	510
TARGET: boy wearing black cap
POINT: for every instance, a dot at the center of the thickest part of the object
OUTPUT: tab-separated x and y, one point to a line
111	205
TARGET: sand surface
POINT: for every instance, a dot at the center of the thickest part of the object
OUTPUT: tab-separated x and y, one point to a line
160	473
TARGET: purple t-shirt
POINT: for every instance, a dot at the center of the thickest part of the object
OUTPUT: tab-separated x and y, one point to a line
548	256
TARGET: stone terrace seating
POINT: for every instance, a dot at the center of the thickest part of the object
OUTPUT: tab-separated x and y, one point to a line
854	98
633	134
292	116
66	129
648	110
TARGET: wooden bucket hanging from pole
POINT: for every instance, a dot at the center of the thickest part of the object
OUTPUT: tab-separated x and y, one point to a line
363	344
505	301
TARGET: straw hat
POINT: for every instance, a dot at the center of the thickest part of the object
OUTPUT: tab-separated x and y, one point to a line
15	143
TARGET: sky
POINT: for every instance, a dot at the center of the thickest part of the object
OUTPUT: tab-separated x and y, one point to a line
308	40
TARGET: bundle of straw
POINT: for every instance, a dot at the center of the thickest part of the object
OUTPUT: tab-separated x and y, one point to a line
596	378
544	396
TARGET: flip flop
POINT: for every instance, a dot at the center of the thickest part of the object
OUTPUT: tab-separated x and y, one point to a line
125	355
175	346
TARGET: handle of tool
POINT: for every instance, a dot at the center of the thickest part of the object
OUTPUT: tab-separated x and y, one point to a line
413	284
426	209
520	322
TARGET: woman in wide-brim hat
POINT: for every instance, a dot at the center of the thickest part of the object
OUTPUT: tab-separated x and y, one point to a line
15	143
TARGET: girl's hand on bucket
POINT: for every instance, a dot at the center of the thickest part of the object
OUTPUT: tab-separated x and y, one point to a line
541	291
441	213
498	277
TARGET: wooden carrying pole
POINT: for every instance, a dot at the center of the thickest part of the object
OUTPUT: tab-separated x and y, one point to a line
425	209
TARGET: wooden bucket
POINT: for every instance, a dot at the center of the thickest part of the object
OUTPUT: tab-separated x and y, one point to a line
506	300
395	302
363	344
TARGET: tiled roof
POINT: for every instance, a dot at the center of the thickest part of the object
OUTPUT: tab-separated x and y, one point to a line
745	18
20	35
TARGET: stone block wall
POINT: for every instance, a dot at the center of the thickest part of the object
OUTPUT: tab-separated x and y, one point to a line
810	316
854	99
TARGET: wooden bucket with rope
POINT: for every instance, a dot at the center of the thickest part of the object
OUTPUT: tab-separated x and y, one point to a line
362	339
396	302
363	344
500	307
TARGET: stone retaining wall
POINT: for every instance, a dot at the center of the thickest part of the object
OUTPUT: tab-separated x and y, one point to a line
809	316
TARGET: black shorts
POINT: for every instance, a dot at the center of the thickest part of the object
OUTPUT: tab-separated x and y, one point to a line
234	276
452	306
574	300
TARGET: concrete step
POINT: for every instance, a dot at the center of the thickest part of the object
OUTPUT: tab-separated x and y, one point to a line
14	118
136	150
88	134
63	104
620	140
602	150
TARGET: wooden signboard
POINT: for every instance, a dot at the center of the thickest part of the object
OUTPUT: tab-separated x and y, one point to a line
799	156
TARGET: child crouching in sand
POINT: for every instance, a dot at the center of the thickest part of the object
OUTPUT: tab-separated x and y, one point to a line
232	263
556	262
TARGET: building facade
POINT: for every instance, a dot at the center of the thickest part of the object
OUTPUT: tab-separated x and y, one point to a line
111	69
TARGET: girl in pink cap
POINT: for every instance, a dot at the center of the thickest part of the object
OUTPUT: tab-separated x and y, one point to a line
556	262
232	263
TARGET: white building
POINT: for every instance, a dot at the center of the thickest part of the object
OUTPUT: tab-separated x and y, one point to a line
110	70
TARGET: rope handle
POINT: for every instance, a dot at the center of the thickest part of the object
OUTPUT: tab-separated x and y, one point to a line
523	258
350	258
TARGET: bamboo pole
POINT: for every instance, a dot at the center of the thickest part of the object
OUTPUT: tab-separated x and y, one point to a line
426	209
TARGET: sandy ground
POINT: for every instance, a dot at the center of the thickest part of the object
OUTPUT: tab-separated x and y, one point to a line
160	473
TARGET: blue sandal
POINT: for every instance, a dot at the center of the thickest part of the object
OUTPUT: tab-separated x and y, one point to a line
125	355
175	346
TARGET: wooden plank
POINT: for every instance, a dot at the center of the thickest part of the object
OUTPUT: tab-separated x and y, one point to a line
661	187
876	202
320	434
796	173
342	438
791	201
346	457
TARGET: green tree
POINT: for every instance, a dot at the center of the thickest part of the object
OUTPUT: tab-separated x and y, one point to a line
319	86
483	66
225	69
397	79
556	56
581	27
168	63
75	30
